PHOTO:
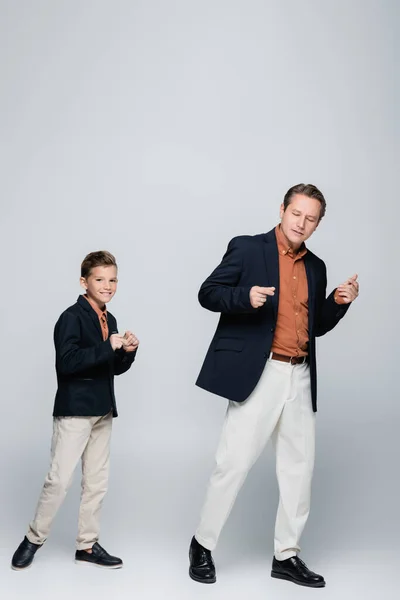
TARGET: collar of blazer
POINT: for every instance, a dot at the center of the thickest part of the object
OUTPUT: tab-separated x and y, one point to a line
91	313
272	265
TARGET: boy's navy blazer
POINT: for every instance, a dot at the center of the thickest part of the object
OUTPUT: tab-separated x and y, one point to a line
85	364
242	342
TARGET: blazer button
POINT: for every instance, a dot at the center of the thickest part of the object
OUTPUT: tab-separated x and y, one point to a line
265	355
272	329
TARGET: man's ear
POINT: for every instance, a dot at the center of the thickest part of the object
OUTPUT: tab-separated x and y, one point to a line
83	282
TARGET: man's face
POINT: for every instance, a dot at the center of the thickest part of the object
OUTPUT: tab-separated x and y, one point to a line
101	284
300	219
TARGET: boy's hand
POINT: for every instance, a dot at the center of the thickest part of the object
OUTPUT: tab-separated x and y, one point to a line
130	341
116	341
348	291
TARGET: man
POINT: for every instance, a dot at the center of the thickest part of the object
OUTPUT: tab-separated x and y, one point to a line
270	290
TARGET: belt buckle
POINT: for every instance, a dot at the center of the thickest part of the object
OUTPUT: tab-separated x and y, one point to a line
295	360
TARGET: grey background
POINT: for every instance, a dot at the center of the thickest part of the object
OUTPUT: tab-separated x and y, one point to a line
159	130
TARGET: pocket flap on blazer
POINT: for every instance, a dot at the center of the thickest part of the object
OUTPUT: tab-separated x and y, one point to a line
235	344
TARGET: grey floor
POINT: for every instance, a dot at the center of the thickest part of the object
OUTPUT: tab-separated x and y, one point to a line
150	514
156	570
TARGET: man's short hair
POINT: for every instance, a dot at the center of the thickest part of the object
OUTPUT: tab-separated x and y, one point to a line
309	190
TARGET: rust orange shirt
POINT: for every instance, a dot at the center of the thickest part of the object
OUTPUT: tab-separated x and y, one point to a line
102	314
291	332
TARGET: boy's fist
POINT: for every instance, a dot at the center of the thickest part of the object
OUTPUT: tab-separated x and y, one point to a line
130	341
116	341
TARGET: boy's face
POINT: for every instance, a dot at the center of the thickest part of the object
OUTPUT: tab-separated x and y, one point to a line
101	284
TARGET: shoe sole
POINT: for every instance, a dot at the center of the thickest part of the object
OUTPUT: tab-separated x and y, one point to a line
21	568
288	578
199	580
93	564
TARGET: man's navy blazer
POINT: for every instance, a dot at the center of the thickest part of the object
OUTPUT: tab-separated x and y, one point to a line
85	364
242	342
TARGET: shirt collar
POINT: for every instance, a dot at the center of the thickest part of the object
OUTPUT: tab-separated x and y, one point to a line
100	312
284	248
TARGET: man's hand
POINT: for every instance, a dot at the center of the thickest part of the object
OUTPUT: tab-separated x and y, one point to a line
258	295
116	341
130	341
348	291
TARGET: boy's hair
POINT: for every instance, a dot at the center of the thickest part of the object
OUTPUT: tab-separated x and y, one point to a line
307	189
101	258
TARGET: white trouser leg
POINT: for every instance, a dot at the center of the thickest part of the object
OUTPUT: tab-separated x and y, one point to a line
246	430
294	442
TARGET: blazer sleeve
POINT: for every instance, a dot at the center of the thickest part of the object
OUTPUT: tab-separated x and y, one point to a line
329	312
123	361
220	292
70	357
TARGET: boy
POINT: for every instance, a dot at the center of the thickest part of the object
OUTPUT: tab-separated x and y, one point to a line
89	352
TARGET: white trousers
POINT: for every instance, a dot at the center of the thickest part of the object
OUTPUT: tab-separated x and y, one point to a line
75	438
279	407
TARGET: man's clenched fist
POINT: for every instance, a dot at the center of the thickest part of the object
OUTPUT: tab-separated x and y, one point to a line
348	291
258	295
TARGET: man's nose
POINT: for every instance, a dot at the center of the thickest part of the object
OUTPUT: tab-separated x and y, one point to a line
301	223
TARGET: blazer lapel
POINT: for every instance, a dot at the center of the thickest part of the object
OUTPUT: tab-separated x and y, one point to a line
311	291
272	266
91	314
96	322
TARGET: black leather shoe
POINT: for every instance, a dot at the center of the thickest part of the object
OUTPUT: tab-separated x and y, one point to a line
202	568
23	556
295	570
98	557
